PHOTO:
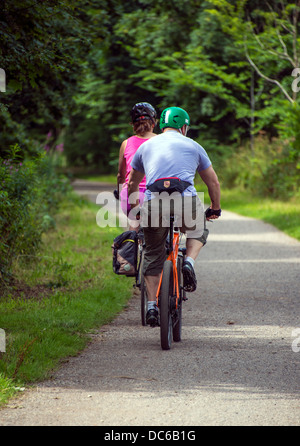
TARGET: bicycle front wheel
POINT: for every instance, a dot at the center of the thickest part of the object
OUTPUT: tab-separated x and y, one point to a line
177	314
166	326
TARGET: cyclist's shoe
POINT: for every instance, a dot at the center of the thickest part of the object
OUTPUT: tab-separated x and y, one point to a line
152	317
189	277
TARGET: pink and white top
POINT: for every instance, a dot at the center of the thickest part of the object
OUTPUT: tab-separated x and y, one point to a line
133	143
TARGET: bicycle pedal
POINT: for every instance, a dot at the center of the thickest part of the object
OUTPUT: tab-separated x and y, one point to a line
173	303
175	320
183	250
157	323
154	325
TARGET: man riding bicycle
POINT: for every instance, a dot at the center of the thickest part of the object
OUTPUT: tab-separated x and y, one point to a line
170	161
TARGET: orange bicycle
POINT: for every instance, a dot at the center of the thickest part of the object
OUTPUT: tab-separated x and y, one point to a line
170	292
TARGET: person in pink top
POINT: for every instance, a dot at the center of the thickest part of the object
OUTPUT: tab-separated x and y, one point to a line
143	120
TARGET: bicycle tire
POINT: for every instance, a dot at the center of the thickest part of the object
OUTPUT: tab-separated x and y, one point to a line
140	258
166	326
144	301
177	314
143	289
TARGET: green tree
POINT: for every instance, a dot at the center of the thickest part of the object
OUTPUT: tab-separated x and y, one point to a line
42	48
100	120
267	35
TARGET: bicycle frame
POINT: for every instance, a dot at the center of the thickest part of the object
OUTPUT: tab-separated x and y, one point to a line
173	255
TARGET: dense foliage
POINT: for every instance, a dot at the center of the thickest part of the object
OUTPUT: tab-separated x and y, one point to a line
30	194
42	47
75	68
229	63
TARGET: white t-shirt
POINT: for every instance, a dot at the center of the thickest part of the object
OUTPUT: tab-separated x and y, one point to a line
170	154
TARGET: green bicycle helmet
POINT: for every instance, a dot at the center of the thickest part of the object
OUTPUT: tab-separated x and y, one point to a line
174	117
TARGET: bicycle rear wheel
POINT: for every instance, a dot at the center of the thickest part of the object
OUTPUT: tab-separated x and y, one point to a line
140	281
140	258
177	313
144	301
166	291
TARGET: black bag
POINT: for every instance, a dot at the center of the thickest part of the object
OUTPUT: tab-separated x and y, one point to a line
169	185
125	253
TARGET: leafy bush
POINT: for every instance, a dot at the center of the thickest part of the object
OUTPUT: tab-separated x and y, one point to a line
30	194
271	168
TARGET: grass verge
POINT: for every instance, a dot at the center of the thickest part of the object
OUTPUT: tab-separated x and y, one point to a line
284	215
59	298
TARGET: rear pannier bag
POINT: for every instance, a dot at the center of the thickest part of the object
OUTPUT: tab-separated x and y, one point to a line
125	253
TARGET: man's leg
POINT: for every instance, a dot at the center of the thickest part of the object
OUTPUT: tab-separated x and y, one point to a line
152	285
193	247
197	233
152	311
154	257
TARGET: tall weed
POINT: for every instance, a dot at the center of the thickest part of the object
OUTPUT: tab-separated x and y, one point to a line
30	194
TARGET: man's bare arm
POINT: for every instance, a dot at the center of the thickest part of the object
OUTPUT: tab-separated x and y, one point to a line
210	178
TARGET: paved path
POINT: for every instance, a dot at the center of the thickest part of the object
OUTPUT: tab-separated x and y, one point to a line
238	362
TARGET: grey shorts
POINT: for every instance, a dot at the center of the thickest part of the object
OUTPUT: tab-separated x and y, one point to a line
189	216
